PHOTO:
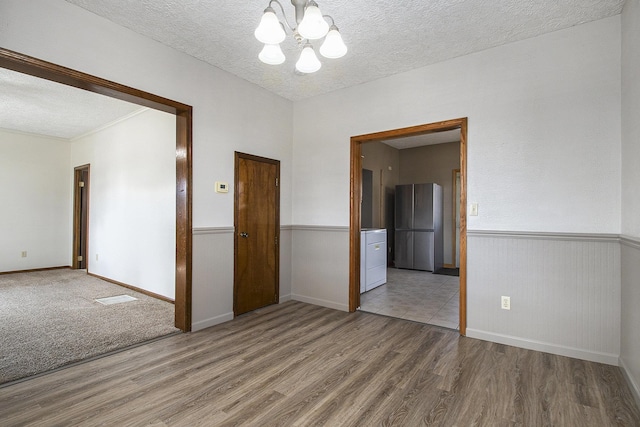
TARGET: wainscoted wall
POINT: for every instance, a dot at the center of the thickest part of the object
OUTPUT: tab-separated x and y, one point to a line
213	274
630	266
285	263
320	265
630	313
564	288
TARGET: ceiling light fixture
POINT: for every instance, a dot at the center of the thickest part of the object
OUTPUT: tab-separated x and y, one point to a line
311	24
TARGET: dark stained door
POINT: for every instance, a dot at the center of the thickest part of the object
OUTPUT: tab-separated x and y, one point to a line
257	230
80	216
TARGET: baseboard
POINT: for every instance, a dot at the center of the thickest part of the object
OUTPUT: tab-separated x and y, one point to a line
36	269
320	302
592	356
134	288
213	321
284	298
633	385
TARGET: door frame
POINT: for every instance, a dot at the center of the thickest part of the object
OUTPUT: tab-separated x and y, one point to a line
237	156
184	123
80	232
454	240
356	196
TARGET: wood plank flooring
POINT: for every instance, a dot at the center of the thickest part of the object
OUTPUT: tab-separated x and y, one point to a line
297	364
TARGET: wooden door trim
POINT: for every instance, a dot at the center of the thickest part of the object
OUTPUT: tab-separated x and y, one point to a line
453	226
355	196
184	124
237	156
77	212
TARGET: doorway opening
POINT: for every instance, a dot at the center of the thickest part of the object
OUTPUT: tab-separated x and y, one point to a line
80	217
183	114
456	125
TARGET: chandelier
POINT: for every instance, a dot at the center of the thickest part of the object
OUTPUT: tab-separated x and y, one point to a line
311	24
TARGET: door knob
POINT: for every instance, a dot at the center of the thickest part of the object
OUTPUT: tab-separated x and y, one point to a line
243	234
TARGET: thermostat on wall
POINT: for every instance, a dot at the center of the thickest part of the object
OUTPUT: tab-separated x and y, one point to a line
222	187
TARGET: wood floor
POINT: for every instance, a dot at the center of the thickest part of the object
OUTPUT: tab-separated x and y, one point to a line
298	364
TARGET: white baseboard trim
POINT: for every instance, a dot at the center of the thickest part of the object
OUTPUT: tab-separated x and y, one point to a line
320	302
203	324
633	385
284	298
592	356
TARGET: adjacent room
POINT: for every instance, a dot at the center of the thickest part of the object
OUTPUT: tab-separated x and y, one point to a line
422	282
90	215
276	102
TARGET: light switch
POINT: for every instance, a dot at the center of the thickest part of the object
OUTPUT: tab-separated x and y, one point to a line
474	209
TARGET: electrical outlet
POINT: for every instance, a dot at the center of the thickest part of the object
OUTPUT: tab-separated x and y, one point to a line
24	254
505	303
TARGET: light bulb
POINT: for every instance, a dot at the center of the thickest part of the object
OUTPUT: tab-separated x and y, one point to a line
271	54
270	30
313	26
308	61
333	47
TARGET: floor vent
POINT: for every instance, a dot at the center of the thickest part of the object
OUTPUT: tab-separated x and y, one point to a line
115	300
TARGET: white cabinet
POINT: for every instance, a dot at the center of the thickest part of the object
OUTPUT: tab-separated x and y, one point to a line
373	259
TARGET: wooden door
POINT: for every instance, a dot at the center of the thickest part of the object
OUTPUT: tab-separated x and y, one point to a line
257	230
80	216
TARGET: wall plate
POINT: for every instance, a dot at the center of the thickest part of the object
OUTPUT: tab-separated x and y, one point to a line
222	187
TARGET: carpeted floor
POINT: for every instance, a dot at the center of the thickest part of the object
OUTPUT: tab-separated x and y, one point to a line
49	319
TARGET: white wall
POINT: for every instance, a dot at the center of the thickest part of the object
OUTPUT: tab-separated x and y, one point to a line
544	131
229	113
630	316
631	118
132	201
435	163
543	152
35	173
378	158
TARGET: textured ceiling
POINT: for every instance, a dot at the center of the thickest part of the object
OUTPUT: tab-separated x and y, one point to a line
38	106
426	139
384	37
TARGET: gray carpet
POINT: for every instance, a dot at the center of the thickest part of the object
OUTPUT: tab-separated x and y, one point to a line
49	319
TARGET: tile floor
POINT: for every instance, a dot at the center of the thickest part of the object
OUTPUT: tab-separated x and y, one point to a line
420	296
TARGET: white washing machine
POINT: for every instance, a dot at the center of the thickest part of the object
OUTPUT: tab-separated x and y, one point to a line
373	258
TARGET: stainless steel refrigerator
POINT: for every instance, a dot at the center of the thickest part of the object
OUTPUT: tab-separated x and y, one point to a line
419	238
